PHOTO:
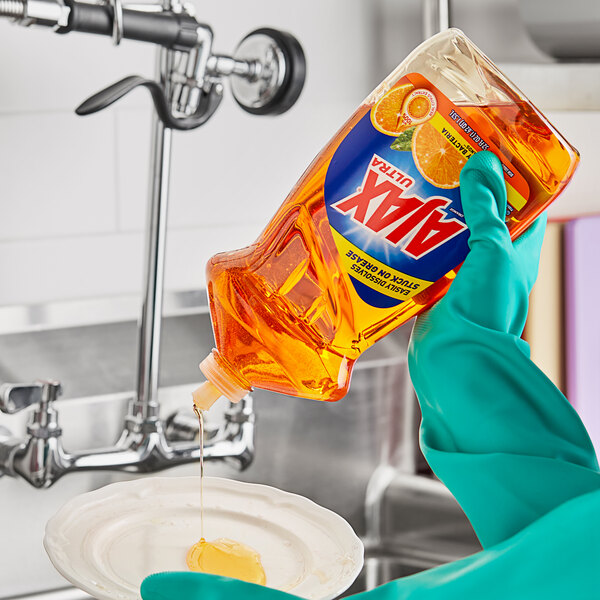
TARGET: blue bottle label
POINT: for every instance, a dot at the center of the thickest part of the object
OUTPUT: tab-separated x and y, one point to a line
394	204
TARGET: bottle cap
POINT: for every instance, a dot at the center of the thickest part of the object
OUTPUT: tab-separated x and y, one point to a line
219	384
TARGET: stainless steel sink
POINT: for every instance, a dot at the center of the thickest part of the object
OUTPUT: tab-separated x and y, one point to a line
412	525
327	452
335	454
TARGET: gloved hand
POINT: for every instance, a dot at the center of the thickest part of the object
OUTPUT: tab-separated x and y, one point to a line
495	430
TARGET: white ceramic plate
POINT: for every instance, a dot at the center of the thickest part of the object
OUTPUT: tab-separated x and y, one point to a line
107	541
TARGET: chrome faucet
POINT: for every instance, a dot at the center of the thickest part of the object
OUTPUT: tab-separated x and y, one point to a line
143	446
267	74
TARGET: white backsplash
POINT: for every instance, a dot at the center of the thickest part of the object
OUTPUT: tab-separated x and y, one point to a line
74	190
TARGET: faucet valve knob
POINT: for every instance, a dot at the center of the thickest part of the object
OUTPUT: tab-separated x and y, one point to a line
14	397
51	390
44	419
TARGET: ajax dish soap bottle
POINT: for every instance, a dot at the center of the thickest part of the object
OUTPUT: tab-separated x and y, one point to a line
373	232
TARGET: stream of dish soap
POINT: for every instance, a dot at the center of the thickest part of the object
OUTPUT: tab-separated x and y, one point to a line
201	434
223	556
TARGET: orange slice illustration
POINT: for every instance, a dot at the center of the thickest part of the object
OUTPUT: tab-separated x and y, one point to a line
437	160
418	107
386	115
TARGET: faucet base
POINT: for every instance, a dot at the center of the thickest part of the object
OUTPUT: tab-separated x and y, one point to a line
142	447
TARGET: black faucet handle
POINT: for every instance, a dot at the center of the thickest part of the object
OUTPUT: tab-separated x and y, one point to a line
209	101
110	94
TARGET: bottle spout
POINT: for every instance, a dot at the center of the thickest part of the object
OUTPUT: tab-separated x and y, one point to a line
206	395
219	383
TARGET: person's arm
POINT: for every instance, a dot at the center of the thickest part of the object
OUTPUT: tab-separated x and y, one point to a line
495	430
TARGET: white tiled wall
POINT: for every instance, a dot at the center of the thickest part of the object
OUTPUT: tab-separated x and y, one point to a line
73	190
58	175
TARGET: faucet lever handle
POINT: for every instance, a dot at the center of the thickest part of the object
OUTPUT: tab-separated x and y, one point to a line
207	104
14	397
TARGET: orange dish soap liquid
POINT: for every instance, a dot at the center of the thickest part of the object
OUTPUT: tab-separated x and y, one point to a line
374	231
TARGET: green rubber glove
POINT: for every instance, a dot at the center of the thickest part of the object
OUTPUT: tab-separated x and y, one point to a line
495	430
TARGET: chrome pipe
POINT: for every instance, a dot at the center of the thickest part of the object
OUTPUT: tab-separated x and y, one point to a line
145	406
436	16
219	66
143	446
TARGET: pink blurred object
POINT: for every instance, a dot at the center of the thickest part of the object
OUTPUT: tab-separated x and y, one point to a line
582	320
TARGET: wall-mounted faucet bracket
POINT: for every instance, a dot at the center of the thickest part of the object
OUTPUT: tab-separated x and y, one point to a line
142	447
267	74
